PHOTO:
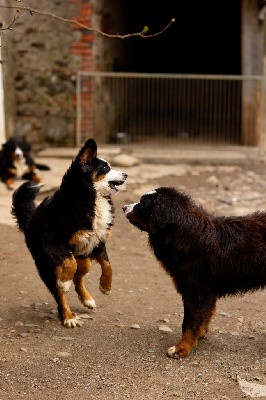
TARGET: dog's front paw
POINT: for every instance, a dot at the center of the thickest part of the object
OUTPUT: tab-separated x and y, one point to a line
73	322
90	303
177	351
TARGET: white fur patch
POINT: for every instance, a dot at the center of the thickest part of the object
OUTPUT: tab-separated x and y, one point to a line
73	322
100	227
65	286
103	186
171	351
128	208
21	167
150	192
89	303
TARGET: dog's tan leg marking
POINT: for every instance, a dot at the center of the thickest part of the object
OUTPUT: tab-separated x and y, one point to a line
190	338
69	318
65	273
36	178
83	267
64	276
183	348
10	183
205	325
106	277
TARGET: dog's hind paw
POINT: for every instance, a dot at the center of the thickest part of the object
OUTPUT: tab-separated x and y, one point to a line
104	291
89	303
73	322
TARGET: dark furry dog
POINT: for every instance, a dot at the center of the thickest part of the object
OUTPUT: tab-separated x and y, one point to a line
16	162
207	256
69	229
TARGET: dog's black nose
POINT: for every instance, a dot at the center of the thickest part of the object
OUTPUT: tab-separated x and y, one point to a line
125	175
124	208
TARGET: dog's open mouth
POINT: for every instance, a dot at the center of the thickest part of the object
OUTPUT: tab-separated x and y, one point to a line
113	184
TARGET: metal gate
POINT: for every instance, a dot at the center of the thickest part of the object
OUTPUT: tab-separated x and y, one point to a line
170	108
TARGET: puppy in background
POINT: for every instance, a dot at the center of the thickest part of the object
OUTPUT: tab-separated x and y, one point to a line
16	162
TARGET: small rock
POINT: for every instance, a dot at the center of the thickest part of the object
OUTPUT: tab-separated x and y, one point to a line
135	326
64	338
85	316
18	323
225	314
213	181
23	349
165	328
23	334
63	354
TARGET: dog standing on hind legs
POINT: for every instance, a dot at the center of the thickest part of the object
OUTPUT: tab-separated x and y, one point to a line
69	228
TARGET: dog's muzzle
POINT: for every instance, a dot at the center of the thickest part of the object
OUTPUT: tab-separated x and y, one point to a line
127	208
114	183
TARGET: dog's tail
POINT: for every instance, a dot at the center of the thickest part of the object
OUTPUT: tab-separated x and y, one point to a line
23	205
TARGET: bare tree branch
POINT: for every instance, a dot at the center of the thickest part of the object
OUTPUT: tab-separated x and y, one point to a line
32	11
15	18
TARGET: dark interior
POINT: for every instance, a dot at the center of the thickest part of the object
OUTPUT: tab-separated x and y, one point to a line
205	38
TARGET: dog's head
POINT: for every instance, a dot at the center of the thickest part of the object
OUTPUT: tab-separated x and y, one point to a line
98	171
156	209
16	147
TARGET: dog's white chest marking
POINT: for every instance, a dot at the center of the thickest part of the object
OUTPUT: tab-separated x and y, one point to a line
21	167
89	240
103	216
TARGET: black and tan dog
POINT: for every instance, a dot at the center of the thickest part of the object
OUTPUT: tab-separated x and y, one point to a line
207	256
69	229
16	162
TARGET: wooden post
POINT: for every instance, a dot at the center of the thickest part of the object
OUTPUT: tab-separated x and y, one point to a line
252	65
2	105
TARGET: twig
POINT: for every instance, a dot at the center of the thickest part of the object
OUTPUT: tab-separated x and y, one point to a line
15	18
32	11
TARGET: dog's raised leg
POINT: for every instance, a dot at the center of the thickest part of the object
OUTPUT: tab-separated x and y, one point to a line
197	317
83	267
65	272
106	277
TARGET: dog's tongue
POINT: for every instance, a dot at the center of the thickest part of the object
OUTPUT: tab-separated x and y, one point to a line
113	186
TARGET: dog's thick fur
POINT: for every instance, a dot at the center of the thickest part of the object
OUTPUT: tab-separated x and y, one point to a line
207	256
69	229
16	162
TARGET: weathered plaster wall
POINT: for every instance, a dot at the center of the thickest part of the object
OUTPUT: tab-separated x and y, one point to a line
47	53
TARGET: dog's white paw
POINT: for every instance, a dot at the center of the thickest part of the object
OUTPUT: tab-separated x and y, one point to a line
104	291
73	322
65	286
171	352
90	303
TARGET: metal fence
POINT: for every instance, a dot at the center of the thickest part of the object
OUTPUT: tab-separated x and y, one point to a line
133	107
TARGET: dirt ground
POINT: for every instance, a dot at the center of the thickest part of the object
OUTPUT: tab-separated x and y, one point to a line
120	351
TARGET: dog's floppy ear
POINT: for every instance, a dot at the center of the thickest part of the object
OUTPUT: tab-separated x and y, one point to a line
163	214
88	152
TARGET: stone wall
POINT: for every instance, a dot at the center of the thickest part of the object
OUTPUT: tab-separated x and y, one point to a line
47	53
